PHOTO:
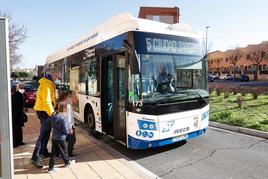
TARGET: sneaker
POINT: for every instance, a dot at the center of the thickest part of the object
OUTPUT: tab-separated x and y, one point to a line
70	162
37	163
52	170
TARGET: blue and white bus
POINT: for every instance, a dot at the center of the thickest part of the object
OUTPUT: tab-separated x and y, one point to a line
142	82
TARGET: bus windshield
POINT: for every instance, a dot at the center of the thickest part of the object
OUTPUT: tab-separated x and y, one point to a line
168	66
165	75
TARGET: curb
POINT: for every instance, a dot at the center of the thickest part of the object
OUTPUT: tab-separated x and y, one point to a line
242	130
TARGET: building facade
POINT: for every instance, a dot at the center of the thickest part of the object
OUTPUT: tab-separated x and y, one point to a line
251	60
161	14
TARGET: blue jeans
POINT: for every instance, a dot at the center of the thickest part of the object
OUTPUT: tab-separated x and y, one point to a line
45	129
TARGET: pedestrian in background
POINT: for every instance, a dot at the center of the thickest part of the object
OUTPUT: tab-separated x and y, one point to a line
18	115
45	108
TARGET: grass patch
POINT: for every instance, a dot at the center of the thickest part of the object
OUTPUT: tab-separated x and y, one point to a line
252	114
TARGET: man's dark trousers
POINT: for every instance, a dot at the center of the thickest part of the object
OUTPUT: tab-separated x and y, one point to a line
45	129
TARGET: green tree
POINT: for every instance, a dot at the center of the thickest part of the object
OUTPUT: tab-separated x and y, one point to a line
15	74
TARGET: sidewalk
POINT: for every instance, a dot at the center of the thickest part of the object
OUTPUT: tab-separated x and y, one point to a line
94	159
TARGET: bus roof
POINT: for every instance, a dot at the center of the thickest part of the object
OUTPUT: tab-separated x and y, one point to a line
117	25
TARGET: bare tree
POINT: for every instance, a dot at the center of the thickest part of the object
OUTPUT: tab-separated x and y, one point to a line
256	55
219	66
17	35
234	56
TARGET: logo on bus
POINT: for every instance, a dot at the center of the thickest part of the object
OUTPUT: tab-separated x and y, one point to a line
167	126
181	130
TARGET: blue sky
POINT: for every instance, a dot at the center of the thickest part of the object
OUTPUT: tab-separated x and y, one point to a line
52	24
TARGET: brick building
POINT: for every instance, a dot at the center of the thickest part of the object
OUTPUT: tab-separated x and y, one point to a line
221	62
161	14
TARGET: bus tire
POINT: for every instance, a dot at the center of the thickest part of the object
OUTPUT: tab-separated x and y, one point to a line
90	120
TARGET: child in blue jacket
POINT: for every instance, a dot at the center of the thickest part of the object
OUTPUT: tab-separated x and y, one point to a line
59	145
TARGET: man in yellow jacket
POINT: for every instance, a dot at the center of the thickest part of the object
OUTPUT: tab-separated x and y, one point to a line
45	108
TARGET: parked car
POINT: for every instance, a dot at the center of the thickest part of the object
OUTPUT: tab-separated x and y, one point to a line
210	78
34	84
222	77
216	76
241	78
229	77
29	94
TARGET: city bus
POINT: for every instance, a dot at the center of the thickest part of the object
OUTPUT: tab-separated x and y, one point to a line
141	82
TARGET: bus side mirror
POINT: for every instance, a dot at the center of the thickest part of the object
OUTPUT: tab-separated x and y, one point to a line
133	57
134	65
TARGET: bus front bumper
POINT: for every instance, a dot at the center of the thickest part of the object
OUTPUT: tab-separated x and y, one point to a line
134	143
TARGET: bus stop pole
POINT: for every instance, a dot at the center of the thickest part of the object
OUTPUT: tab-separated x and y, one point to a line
6	142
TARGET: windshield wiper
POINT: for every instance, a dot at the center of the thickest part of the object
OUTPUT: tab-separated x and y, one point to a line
195	93
166	99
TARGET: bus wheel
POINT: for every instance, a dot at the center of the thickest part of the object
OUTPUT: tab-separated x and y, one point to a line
91	122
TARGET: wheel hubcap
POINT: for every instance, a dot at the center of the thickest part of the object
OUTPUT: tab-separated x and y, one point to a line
90	121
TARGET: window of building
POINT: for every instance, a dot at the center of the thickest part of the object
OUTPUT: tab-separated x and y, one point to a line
226	60
263	54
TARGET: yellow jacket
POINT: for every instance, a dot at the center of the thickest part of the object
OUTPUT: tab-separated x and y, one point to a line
45	97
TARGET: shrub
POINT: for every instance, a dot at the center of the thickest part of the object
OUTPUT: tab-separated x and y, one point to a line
239	100
226	94
255	125
221	116
255	92
236	122
264	122
255	95
235	90
211	90
218	92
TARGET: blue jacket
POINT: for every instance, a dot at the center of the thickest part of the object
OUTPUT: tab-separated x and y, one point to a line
59	127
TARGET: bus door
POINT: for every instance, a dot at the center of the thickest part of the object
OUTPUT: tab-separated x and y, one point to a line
74	87
119	112
107	94
113	96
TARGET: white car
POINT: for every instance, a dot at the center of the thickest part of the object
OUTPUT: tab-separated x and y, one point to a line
223	77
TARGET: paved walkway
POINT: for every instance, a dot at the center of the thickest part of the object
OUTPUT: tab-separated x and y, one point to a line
94	159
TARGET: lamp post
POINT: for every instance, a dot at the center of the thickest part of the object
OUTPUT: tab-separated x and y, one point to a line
207	27
206	59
